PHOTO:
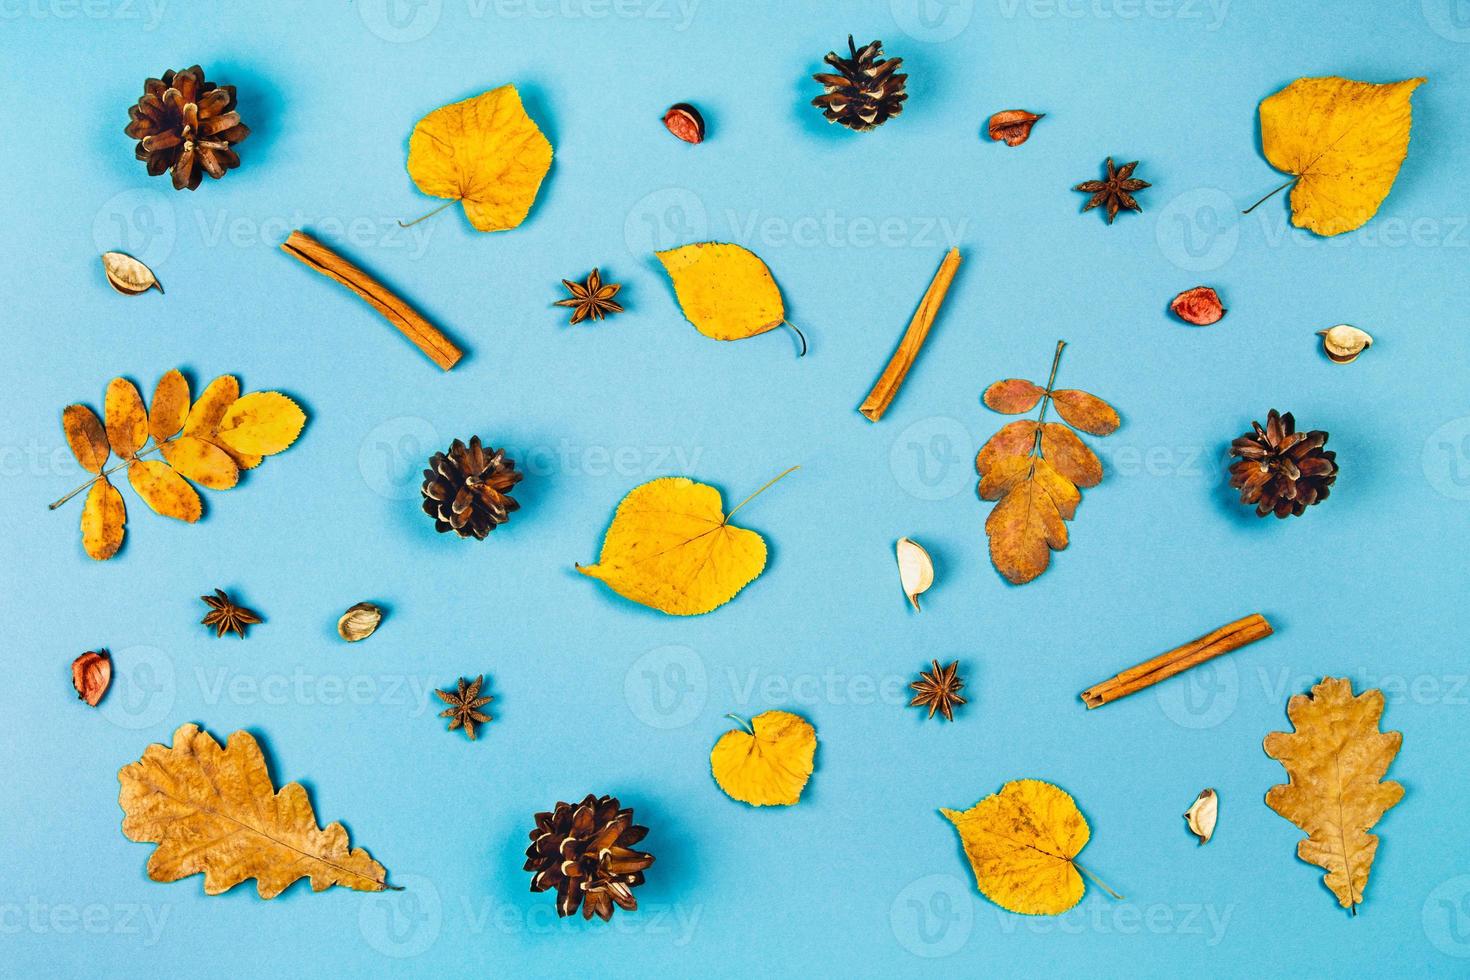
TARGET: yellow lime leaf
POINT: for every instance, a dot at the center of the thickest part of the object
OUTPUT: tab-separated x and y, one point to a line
164	490
671	547
204	418
103	517
85	436
261	423
203	462
170	406
1344	140
485	153
724	290
127	422
1022	843
214	811
768	764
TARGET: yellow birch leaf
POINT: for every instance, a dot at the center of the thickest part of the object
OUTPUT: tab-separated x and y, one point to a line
1022	844
170	406
261	423
1344	140
1336	758
205	463
204	417
768	763
724	290
164	490
103	518
671	547
85	436
214	811
127	421
484	152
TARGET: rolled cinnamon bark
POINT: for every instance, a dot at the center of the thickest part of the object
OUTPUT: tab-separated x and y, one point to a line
1231	636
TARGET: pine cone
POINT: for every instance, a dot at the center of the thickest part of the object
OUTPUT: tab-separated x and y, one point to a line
1281	470
585	853
186	124
866	93
465	489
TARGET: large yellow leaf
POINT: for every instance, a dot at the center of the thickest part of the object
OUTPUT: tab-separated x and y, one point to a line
215	811
207	412
767	764
103	518
1336	759
127	421
724	290
261	423
164	490
85	436
205	463
1344	140
671	547
170	406
1022	844
484	152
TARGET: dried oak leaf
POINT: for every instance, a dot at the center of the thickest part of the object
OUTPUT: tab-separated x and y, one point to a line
1013	126
1022	844
767	763
726	291
1344	141
1336	758
214	811
484	152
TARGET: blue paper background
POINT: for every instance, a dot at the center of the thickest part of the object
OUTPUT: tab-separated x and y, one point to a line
595	694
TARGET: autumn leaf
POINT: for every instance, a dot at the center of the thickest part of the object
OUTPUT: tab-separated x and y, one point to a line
765	763
164	490
726	291
671	547
205	463
86	437
1335	759
127	421
261	424
206	414
170	406
1022	844
103	518
1345	142
214	811
484	152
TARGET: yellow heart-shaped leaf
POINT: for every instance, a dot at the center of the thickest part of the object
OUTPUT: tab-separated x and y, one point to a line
768	764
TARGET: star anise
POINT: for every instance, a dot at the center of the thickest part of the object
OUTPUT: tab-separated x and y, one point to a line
1116	192
939	690
464	705
226	616
591	299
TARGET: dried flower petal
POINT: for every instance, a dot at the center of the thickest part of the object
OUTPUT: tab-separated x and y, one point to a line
1343	343
1200	306
685	122
127	275
915	569
1013	126
90	675
359	622
1202	815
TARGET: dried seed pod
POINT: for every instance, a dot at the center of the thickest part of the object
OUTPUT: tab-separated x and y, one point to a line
915	569
1202	814
1013	126
359	622
1343	343
127	275
1200	306
685	122
90	675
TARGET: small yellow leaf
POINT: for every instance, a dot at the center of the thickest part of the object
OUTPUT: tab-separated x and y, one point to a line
261	423
484	152
205	463
164	490
170	406
1022	843
127	421
103	518
769	764
204	418
724	290
1344	140
85	436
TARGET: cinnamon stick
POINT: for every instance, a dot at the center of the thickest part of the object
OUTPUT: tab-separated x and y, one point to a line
892	377
425	336
1231	636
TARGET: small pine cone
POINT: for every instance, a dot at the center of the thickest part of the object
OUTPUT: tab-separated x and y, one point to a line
186	124
1281	470
585	853
866	92
465	489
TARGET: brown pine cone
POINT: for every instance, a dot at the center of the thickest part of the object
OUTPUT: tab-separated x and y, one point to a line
465	489
1281	470
186	124
866	92
585	853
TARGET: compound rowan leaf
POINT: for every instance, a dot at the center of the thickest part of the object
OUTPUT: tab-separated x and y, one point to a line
769	762
261	423
205	463
164	490
170	406
214	811
484	152
1335	759
1022	844
207	412
127	421
103	518
724	290
1344	140
85	436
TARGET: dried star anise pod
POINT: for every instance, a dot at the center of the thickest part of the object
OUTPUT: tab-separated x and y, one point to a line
226	616
1116	192
464	705
592	299
939	690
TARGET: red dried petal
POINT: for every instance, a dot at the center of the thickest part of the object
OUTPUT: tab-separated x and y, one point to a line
685	122
1200	306
90	675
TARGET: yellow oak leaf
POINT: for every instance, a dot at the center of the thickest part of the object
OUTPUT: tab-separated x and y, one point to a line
261	423
164	490
724	290
1336	758
205	463
484	152
103	518
170	406
1022	844
85	436
214	811
206	413
1344	141
767	763
671	547
127	421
